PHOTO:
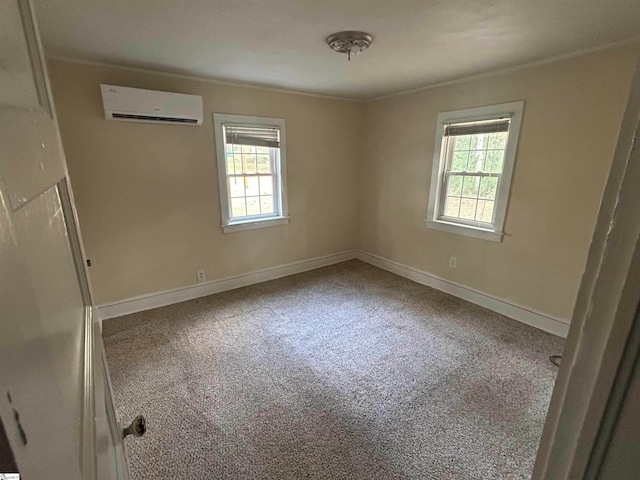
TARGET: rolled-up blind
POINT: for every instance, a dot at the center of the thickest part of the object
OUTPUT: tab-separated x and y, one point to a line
257	136
474	128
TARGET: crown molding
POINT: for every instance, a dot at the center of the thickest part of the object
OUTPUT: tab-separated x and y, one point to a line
516	68
196	78
267	88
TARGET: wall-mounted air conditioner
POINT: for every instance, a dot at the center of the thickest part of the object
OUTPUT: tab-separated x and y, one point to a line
150	106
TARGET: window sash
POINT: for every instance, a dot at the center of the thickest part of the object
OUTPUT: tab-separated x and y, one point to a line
468	221
446	173
274	162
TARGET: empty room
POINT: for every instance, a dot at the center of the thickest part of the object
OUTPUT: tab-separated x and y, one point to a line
328	240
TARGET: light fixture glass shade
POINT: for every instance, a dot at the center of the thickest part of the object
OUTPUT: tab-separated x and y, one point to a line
349	42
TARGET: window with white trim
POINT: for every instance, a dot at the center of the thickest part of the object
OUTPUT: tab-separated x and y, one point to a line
472	167
251	170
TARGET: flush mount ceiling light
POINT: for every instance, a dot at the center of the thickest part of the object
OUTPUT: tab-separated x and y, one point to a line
349	42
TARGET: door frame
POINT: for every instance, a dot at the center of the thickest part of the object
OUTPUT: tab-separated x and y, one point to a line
603	337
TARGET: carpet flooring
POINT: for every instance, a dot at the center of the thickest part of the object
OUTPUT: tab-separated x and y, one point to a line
346	372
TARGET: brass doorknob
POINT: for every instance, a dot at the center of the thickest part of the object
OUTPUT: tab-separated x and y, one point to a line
137	428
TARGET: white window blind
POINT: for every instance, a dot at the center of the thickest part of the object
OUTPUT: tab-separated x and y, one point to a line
257	136
476	128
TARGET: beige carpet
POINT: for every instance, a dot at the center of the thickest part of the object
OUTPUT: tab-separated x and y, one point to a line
347	372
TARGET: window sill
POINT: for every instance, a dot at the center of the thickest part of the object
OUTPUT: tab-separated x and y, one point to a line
466	230
253	224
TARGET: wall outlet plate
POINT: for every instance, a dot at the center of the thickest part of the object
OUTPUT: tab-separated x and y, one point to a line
453	262
201	275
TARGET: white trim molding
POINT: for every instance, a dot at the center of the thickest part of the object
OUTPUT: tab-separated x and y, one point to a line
543	321
177	295
252	225
195	78
467	230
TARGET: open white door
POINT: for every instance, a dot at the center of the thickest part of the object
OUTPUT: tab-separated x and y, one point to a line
55	409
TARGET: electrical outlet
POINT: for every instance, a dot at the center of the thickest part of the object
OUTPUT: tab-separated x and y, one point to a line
453	261
201	276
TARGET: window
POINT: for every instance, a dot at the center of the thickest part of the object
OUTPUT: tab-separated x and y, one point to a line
251	171
472	166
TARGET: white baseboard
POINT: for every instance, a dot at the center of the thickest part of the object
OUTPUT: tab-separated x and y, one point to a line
168	297
544	321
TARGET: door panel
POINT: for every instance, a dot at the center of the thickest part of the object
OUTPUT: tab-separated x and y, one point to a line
43	236
41	345
53	403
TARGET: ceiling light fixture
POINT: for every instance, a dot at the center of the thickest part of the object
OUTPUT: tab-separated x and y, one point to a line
349	42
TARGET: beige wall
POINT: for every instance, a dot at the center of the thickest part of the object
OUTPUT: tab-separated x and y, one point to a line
147	195
358	177
572	115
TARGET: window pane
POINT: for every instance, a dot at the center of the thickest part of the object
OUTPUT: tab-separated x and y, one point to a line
230	163
468	208
229	157
455	185
452	206
462	142
498	140
236	187
485	211
249	162
248	149
238	208
266	185
476	161
253	187
470	186
237	160
237	149
253	205
493	156
264	163
496	165
473	141
266	204
260	150
459	163
488	187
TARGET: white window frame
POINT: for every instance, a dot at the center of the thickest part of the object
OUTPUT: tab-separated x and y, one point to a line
281	216
485	231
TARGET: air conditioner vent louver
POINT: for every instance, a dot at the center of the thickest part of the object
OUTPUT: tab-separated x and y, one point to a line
155	119
149	106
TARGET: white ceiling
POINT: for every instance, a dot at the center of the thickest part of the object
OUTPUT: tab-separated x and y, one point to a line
280	43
